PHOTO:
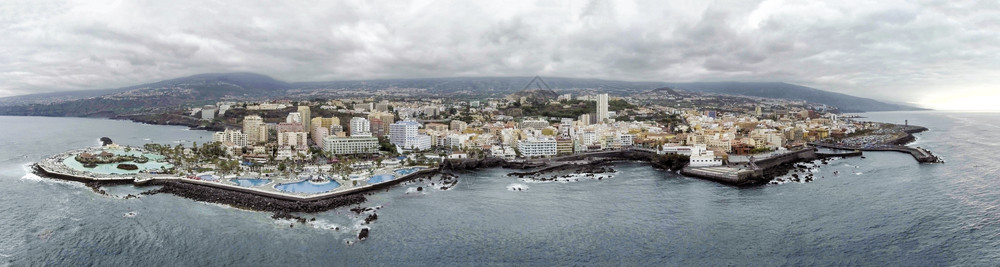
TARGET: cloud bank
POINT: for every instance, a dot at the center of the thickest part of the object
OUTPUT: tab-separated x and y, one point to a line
908	51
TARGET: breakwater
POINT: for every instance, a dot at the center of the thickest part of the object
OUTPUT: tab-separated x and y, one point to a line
763	170
897	144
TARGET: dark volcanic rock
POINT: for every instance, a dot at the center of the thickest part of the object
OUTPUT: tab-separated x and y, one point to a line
363	234
371	218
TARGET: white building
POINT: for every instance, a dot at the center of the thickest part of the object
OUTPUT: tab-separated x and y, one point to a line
602	108
702	157
626	139
504	152
537	147
208	112
404	135
351	145
457	140
236	137
360	127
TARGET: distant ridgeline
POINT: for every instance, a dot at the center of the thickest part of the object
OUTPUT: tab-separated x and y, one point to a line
210	88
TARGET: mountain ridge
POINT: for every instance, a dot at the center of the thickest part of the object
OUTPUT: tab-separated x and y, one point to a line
246	85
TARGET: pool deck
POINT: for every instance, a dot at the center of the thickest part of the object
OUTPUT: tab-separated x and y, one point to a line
54	167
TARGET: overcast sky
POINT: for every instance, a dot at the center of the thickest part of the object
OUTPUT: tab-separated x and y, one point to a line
943	54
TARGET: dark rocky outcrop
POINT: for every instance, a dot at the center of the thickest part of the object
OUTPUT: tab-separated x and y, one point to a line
128	167
363	234
473	164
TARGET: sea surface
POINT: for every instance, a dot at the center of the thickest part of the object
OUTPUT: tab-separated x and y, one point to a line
882	210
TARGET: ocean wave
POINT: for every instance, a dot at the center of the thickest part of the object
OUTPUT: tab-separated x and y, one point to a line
288	222
568	178
325	225
413	190
30	176
517	187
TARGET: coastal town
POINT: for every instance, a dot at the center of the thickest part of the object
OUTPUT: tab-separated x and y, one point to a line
287	156
307	148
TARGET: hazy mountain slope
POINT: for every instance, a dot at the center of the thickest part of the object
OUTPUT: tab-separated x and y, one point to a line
845	103
211	87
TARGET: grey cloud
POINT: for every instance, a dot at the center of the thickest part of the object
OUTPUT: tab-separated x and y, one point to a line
874	49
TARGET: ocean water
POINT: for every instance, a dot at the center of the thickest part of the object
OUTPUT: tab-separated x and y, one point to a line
884	209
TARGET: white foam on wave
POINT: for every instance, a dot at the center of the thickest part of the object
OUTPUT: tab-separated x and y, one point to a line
574	177
517	187
325	225
285	221
29	175
413	190
858	173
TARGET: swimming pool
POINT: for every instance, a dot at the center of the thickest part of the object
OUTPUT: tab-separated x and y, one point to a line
250	182
408	170
305	186
208	177
381	178
112	168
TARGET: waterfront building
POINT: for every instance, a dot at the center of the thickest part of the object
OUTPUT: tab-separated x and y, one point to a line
360	127
457	140
305	113
351	145
503	152
564	145
236	137
602	108
537	147
626	139
676	150
702	157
